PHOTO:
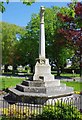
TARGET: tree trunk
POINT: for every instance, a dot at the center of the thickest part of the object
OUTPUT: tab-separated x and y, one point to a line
6	68
81	62
58	71
81	66
14	69
32	71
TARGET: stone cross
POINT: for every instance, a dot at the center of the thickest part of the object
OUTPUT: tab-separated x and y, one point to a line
42	34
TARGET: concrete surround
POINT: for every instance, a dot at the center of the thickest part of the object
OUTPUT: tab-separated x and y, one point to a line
43	86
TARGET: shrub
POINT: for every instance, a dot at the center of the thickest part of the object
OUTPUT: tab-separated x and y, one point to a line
59	112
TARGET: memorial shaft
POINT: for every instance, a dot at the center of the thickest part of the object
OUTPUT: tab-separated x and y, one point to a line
42	34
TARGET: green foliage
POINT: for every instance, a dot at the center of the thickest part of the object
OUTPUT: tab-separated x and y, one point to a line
69	11
2	8
56	46
25	50
29	42
60	111
75	62
28	2
9	35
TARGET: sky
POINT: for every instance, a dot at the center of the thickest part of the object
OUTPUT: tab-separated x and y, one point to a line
20	14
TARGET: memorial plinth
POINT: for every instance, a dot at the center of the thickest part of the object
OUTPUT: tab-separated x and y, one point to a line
43	86
42	67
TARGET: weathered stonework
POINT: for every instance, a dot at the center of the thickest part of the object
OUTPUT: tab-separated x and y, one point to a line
44	86
43	71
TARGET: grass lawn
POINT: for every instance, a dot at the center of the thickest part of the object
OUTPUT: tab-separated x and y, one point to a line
76	85
6	82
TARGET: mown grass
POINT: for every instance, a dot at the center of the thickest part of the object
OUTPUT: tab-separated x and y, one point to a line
7	82
76	85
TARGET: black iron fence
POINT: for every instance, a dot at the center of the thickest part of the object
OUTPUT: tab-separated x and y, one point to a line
70	106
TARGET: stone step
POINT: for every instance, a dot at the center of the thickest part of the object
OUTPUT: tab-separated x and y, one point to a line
35	83
25	97
31	89
47	90
52	83
20	93
56	94
38	83
38	98
59	90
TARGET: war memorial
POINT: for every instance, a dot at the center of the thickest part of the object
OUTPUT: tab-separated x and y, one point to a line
43	86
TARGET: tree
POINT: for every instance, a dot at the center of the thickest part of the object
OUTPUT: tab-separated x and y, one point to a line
75	62
73	29
53	39
29	42
10	38
2	8
56	45
26	49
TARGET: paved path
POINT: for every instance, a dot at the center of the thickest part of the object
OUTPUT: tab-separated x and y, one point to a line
72	79
78	79
59	78
1	76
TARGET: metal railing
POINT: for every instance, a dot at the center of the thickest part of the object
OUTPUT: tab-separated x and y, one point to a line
23	111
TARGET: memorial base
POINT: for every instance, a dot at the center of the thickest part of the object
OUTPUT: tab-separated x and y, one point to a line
43	87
